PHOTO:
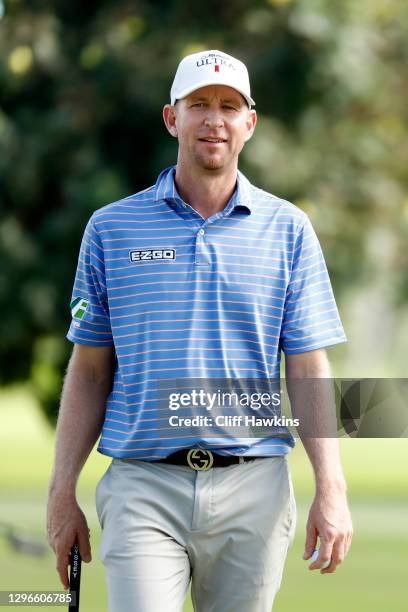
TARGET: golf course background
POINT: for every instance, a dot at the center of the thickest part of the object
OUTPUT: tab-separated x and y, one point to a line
373	578
82	86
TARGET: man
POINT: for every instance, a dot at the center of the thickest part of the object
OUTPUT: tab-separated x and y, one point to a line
201	276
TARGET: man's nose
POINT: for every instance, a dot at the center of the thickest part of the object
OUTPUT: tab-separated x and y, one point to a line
214	118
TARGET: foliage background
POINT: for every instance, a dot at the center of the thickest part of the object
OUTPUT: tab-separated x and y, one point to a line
82	85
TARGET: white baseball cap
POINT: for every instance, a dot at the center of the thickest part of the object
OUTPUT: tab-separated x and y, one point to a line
210	68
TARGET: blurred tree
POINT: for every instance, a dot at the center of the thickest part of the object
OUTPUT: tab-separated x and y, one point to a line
81	91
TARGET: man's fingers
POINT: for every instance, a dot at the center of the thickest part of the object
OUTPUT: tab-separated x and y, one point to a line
310	544
325	554
348	543
337	557
339	553
84	545
62	569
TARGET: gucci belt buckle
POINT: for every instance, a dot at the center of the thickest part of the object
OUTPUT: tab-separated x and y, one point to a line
200	459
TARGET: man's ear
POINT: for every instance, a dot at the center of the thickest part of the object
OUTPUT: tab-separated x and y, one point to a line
251	123
169	118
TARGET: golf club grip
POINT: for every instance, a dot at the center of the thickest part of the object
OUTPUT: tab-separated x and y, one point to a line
75	577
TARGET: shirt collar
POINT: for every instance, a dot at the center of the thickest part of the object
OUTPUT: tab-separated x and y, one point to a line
165	189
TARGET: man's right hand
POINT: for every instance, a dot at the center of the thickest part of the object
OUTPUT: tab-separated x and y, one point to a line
66	523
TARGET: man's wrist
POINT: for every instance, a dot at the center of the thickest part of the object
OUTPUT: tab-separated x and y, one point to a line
63	487
331	485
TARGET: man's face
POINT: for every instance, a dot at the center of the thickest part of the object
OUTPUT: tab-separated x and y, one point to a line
212	125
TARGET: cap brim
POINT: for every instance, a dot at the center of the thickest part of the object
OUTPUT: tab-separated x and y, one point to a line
185	92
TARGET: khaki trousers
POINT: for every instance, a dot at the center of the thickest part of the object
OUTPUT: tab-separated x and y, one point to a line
227	529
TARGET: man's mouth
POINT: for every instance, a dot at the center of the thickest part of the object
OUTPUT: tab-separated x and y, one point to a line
212	140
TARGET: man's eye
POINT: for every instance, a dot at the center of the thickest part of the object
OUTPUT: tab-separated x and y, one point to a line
228	107
198	105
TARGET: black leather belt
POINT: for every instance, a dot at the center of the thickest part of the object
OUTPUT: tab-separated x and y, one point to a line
202	459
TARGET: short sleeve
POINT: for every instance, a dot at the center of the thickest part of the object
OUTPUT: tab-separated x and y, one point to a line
311	319
89	304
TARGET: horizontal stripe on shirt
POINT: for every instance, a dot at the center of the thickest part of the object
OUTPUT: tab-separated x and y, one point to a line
224	304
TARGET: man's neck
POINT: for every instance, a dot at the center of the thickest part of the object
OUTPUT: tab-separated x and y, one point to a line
207	192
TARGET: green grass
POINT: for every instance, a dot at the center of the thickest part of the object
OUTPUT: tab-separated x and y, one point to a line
373	579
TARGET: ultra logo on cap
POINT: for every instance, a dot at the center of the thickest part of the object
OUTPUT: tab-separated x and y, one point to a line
216	59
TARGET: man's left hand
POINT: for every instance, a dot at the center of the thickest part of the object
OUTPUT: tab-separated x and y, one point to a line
330	521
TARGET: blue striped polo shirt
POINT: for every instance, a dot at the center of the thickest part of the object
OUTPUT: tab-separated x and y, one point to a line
181	297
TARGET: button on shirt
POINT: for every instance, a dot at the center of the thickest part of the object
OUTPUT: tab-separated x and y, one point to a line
181	297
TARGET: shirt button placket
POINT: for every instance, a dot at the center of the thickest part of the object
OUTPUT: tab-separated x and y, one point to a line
201	252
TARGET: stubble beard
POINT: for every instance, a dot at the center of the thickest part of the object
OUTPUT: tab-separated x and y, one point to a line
208	162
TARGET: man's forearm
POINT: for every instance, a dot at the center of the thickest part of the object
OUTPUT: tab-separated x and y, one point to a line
312	400
79	425
324	456
317	430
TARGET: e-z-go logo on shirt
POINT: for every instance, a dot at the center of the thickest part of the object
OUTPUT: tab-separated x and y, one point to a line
152	255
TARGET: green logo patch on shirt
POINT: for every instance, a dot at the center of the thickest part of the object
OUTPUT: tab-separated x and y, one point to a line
78	307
